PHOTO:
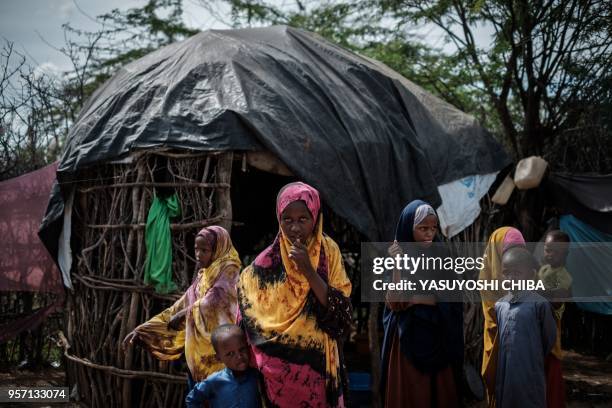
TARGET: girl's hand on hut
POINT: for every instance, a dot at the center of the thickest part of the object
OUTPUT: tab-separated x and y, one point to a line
177	320
129	339
299	255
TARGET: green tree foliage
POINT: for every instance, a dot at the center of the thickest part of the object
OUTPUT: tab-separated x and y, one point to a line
34	115
545	67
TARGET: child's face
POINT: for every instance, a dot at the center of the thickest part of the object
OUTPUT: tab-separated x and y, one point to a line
297	222
516	270
233	351
555	252
426	230
203	251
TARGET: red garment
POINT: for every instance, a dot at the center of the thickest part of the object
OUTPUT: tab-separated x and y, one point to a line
555	386
407	387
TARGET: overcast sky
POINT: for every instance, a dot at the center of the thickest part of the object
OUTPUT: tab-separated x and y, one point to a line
31	24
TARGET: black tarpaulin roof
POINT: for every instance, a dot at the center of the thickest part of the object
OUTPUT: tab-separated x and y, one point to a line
369	140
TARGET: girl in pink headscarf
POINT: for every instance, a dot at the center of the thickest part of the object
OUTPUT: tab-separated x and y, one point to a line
294	304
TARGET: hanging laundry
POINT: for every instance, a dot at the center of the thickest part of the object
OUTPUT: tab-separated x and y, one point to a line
158	240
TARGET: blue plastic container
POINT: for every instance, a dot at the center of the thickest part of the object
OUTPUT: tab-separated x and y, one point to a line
359	390
359	381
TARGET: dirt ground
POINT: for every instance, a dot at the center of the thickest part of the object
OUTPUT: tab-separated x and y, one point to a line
588	381
48	377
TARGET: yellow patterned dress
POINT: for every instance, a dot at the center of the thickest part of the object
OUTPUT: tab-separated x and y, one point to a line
211	301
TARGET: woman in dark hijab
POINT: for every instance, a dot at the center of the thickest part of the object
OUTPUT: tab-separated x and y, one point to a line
423	344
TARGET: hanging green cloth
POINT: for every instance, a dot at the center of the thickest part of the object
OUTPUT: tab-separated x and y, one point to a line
158	265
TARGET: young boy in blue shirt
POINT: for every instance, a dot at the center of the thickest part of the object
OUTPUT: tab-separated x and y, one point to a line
236	386
526	333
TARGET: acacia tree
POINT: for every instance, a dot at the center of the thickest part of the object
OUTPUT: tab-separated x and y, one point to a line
544	70
37	110
32	122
